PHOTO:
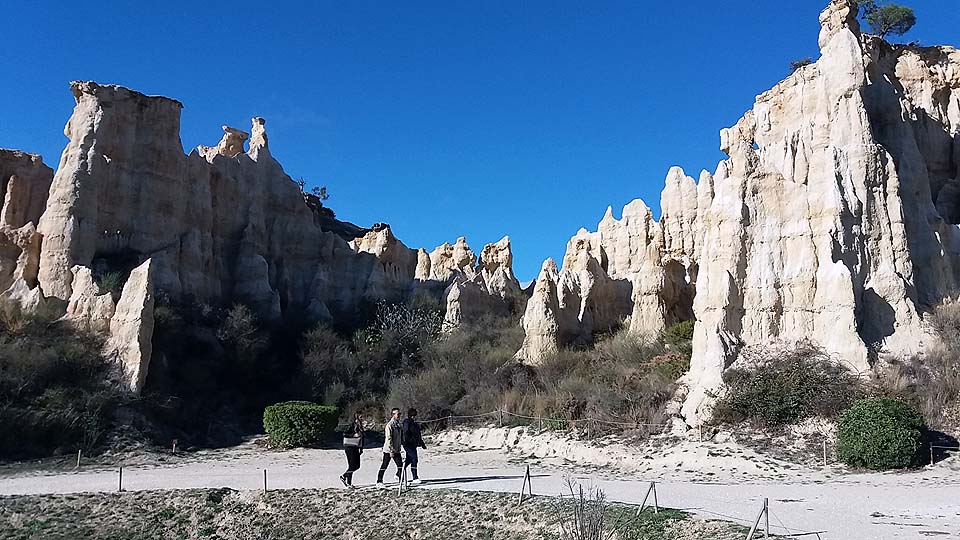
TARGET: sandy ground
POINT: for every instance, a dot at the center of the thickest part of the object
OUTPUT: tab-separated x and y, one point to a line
710	479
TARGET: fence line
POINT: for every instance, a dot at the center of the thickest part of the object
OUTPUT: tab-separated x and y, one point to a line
500	414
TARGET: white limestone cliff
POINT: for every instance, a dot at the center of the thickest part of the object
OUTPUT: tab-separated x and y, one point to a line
834	218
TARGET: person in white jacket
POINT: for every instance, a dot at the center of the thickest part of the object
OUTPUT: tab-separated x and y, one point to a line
392	441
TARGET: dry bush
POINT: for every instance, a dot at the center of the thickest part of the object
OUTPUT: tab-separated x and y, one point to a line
585	515
786	387
56	393
931	382
625	379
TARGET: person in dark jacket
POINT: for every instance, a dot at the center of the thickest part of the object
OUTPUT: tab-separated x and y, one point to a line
353	447
412	439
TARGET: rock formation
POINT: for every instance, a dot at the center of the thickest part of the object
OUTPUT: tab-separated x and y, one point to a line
24	183
218	226
632	272
131	327
834	218
477	288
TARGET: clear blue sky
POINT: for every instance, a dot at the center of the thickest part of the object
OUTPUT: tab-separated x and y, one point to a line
442	118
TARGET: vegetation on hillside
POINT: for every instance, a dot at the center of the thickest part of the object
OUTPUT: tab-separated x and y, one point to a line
56	389
786	387
403	358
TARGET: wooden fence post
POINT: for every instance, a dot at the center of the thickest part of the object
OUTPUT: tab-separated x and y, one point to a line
79	452
120	480
264	481
764	512
656	505
526	484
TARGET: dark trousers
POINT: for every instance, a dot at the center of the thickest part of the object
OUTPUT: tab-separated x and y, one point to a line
353	462
412	459
386	462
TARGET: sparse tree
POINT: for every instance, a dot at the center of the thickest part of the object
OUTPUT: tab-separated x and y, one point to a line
797	64
887	19
319	192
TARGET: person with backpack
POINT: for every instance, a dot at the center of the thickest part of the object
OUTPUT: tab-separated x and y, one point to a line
392	438
353	447
412	439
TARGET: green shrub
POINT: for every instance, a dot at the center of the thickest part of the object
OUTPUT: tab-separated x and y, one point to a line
783	390
299	423
880	433
679	334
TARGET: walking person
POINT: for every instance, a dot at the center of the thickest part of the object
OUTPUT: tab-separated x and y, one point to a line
353	447
412	439
392	436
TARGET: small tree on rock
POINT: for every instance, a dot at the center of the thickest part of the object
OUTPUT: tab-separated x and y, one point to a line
797	64
887	19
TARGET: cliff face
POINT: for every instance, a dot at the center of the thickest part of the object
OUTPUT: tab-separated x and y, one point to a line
223	224
834	218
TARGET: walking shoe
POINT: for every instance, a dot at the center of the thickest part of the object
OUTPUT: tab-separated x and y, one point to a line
415	482
381	485
343	480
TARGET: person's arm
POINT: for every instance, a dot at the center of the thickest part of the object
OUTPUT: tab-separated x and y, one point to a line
420	436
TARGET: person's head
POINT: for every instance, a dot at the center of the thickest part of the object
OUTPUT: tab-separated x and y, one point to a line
395	413
411	413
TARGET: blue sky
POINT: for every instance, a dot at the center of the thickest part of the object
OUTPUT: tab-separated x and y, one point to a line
442	118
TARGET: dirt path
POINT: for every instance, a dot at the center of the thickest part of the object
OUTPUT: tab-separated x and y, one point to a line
923	504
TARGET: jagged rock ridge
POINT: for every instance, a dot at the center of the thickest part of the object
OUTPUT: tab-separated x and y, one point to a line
220	225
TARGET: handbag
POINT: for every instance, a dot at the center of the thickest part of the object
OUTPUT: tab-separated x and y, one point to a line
351	441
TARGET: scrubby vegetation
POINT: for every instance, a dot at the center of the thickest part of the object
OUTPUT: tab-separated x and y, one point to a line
56	394
931	382
782	388
404	359
880	433
299	423
214	371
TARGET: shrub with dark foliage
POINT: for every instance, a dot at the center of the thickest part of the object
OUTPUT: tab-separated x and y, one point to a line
783	390
880	433
299	423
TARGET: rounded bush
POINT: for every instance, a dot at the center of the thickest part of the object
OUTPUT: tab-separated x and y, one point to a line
880	433
299	423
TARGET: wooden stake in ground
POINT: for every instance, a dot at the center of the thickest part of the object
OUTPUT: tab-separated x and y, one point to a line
656	505
526	484
764	513
120	480
79	452
402	481
264	480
